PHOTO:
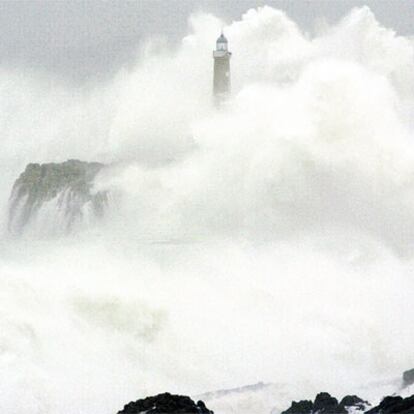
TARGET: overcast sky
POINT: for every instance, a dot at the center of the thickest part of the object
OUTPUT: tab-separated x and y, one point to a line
82	40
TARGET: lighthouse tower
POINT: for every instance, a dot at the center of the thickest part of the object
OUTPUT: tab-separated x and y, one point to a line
221	82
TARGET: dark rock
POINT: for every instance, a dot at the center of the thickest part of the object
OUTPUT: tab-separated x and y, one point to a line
301	407
325	404
166	404
353	401
408	377
394	405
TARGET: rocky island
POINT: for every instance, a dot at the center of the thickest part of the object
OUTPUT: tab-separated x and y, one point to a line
58	194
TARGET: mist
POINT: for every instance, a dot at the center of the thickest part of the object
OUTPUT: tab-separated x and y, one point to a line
268	240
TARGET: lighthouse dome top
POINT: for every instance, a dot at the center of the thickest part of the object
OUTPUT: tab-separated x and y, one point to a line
222	43
222	39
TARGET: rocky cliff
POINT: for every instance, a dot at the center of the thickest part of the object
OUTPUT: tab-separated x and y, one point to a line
55	197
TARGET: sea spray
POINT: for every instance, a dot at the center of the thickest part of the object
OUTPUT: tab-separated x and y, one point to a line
270	240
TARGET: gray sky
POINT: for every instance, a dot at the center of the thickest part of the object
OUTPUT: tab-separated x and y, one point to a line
86	40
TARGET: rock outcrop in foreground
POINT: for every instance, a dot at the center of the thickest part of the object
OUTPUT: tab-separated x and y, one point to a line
166	404
394	405
55	194
351	404
325	404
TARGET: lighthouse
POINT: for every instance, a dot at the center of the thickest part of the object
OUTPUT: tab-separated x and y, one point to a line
221	81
